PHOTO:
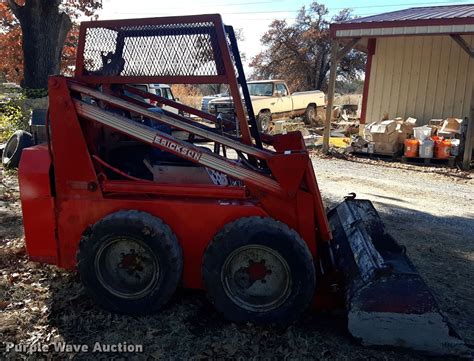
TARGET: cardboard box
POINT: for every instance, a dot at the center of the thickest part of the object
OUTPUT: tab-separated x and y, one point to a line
405	129
450	127
384	132
411	121
386	148
436	122
367	131
402	136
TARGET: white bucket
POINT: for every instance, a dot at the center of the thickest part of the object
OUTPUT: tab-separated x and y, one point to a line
426	148
422	133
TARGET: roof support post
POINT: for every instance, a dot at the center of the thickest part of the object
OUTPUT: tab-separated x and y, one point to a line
469	143
336	56
331	86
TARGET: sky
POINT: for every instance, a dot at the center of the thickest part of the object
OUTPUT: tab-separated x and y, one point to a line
253	16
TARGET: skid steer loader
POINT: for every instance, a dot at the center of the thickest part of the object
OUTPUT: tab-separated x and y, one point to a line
141	200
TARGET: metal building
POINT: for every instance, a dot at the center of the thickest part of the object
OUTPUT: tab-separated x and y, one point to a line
419	62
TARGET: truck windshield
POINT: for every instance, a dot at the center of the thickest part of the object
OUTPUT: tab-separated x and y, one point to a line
257	89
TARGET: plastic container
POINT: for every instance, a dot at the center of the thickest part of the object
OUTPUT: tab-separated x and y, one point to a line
422	133
411	148
442	149
426	148
455	143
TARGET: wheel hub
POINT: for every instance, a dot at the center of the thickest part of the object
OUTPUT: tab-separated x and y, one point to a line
256	278
257	271
131	262
126	267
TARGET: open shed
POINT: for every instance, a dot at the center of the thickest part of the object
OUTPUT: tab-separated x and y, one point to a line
419	62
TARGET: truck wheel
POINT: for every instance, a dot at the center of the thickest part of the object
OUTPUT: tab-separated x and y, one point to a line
310	116
264	120
259	270
130	262
14	147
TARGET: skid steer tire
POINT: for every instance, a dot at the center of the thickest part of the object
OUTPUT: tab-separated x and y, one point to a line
259	270
14	147
130	262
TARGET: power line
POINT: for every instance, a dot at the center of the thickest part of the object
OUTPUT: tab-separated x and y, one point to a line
295	10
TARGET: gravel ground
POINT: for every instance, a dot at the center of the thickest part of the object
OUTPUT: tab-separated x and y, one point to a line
430	213
429	210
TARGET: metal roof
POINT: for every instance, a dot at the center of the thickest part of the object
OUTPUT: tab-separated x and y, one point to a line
432	20
421	13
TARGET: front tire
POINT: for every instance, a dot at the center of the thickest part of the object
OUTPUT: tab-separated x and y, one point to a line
130	262
259	270
264	120
310	115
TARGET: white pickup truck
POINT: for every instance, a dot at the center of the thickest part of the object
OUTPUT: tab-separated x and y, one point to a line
162	90
272	101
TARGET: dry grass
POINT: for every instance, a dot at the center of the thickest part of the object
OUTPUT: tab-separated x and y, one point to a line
188	95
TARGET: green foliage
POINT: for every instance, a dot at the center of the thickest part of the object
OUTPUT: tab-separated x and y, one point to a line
13	116
35	93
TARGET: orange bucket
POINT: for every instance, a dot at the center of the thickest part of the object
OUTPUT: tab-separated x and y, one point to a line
442	149
411	148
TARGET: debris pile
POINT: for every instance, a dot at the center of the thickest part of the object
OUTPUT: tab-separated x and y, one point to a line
439	139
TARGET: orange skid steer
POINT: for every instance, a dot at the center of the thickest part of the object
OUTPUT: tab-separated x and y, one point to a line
141	200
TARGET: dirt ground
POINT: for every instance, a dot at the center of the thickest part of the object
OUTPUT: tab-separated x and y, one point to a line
428	210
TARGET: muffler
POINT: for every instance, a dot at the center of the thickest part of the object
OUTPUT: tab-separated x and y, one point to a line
388	302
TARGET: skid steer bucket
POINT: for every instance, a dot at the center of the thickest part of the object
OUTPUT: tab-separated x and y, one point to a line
388	302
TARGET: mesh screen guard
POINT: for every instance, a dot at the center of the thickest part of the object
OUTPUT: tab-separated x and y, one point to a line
188	49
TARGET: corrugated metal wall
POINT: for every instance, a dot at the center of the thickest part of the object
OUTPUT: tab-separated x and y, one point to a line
420	76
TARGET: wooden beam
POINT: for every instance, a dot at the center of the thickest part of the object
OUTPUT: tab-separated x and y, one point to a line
469	142
463	44
336	56
348	47
330	95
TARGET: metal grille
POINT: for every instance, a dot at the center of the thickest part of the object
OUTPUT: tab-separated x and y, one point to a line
153	50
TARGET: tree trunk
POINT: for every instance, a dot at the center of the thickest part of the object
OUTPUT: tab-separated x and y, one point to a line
44	30
322	74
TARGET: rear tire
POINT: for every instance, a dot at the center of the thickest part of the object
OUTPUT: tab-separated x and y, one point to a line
16	143
130	262
259	270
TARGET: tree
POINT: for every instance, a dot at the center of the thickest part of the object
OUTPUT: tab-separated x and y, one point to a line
300	52
10	46
45	25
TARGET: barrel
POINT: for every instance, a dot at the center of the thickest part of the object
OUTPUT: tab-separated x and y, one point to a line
426	148
443	149
411	148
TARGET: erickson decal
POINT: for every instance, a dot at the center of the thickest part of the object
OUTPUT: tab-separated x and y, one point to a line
177	148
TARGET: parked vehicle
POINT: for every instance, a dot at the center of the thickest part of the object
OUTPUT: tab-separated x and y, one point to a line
271	100
162	90
206	99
